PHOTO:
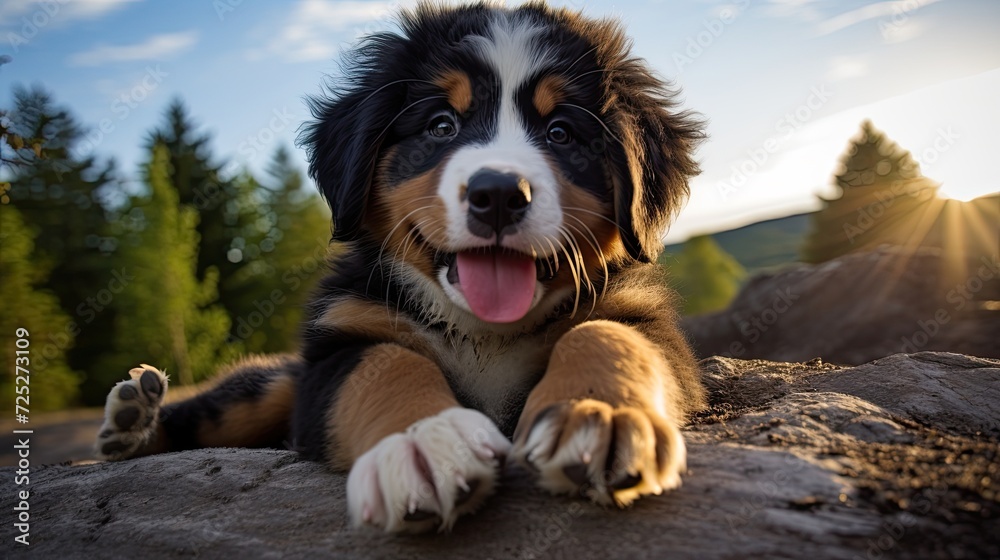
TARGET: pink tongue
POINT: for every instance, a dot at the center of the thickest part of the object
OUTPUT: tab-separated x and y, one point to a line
498	286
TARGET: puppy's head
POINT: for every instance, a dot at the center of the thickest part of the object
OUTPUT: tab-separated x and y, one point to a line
500	155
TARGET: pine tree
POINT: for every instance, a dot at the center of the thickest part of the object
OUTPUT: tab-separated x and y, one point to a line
706	277
167	316
880	195
63	194
286	251
226	211
27	305
296	247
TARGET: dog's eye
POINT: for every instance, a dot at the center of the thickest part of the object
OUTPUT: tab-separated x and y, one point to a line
443	126
559	133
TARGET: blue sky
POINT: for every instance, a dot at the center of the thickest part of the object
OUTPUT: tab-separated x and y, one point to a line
782	83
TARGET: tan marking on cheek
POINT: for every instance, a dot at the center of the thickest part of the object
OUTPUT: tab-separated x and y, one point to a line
248	424
412	205
458	87
548	93
390	389
589	221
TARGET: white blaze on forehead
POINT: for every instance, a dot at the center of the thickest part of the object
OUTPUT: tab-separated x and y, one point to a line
515	54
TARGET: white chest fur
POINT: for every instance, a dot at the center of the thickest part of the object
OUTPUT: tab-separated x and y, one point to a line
491	373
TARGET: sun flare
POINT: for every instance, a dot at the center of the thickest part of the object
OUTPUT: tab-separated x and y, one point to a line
963	195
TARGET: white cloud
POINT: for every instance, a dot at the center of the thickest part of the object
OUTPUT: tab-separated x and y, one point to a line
902	32
156	47
893	13
727	11
13	13
846	67
802	9
314	26
895	17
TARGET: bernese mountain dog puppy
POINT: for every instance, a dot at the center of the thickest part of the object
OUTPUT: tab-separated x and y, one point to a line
501	180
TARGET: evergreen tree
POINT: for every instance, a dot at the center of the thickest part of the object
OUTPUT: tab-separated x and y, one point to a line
166	316
706	277
27	305
296	247
225	209
286	253
881	198
62	195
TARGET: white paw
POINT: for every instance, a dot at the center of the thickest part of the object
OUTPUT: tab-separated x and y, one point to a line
442	467
611	455
130	413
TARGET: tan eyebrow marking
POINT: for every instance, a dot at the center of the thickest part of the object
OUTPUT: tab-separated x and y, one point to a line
548	93
458	87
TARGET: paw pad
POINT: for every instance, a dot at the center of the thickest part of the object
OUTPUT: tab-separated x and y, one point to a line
129	414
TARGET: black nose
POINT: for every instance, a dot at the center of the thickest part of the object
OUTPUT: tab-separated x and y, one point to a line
497	202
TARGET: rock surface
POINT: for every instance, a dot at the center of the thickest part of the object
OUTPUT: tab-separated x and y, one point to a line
898	458
858	308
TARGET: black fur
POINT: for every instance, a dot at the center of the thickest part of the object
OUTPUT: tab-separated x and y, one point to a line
630	149
640	145
315	391
387	73
181	421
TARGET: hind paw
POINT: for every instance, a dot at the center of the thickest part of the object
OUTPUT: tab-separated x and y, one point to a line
131	413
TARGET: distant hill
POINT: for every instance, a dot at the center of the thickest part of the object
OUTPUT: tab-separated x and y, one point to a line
762	245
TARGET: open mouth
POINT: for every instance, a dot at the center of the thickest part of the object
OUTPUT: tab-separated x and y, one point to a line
498	284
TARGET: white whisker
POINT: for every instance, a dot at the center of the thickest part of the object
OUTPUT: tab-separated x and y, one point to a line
598	119
369	96
399	114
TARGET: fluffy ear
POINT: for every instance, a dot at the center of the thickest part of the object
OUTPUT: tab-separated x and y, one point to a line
653	160
344	142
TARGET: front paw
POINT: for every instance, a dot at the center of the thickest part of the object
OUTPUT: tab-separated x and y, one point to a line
442	467
612	455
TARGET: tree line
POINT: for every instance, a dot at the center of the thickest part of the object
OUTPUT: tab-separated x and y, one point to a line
183	267
187	268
